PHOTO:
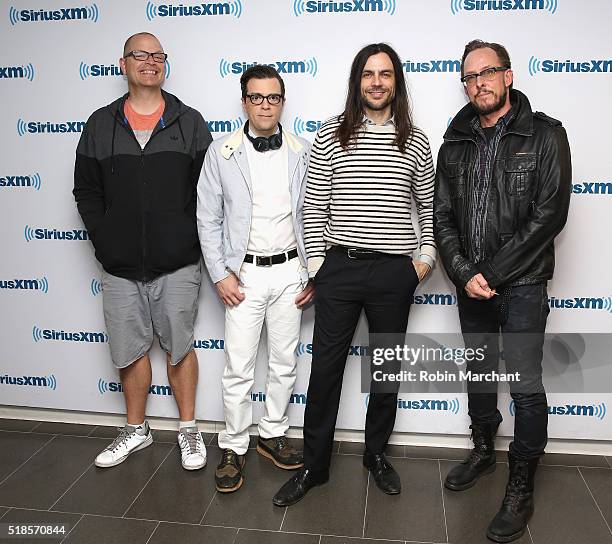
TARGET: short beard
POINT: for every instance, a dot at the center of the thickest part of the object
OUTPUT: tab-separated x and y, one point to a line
376	107
496	106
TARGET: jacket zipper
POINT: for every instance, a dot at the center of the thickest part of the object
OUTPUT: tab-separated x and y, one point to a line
144	221
144	181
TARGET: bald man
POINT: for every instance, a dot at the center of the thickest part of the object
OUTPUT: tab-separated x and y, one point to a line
137	166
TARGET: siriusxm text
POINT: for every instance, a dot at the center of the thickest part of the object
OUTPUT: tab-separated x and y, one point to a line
439	66
73	336
62	14
165	390
15	181
317	6
19	284
37	127
502	5
296	398
590	66
36	381
170	10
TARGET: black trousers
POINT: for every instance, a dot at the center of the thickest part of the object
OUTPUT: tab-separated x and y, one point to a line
520	314
384	288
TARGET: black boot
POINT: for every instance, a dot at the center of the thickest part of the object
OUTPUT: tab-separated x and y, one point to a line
481	459
511	520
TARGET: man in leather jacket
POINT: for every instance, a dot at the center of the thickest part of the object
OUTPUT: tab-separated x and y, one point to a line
502	194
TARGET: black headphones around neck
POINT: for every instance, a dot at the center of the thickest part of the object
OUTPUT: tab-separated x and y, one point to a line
263	143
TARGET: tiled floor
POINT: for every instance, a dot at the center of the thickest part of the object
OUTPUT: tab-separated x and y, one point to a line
47	476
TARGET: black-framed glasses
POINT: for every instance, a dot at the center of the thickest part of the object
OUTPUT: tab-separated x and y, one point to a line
273	99
488	74
158	56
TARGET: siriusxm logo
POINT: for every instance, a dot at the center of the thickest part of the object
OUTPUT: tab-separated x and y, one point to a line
581	303
452	405
301	126
434	66
308	66
116	387
54	234
85	13
40	284
503	5
296	398
106	70
233	8
429	404
32	381
352	6
95	287
228	125
597	411
354	351
15	182
548	66
38	335
211	343
437	299
25	71
584	188
37	127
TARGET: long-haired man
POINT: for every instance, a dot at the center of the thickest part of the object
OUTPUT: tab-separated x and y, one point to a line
366	167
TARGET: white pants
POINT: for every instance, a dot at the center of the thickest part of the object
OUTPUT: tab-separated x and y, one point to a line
270	293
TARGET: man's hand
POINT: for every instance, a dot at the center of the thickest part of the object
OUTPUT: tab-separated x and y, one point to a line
422	269
306	296
478	288
228	290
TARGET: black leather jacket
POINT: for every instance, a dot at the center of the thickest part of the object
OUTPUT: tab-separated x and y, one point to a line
528	198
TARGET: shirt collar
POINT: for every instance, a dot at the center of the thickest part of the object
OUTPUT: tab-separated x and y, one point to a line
502	122
390	121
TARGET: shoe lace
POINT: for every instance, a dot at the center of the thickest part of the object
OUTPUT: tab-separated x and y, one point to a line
384	464
124	434
515	492
481	447
281	442
193	441
228	457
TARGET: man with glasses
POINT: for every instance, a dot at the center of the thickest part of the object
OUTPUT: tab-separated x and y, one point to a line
137	166
503	185
250	225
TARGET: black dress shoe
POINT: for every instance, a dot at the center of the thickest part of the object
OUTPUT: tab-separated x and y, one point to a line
298	485
384	474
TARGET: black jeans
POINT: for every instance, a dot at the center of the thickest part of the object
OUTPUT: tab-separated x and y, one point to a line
520	313
384	288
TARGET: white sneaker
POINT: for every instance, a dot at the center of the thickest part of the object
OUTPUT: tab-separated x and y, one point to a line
130	439
193	450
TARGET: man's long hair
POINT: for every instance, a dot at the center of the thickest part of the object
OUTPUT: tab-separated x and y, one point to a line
351	119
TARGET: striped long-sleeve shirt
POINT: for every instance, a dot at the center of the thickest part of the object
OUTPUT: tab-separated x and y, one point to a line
362	196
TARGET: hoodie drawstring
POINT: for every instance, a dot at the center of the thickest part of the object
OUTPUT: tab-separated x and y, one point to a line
182	135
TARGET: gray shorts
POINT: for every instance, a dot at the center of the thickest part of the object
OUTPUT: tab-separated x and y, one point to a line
134	311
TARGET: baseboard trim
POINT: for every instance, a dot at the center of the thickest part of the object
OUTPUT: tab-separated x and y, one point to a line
555	445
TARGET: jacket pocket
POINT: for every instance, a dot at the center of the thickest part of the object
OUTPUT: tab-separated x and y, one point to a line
520	174
457	174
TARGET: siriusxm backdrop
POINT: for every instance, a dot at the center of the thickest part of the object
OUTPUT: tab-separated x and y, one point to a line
60	62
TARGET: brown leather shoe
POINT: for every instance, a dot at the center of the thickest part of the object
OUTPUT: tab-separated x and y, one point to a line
228	474
282	454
